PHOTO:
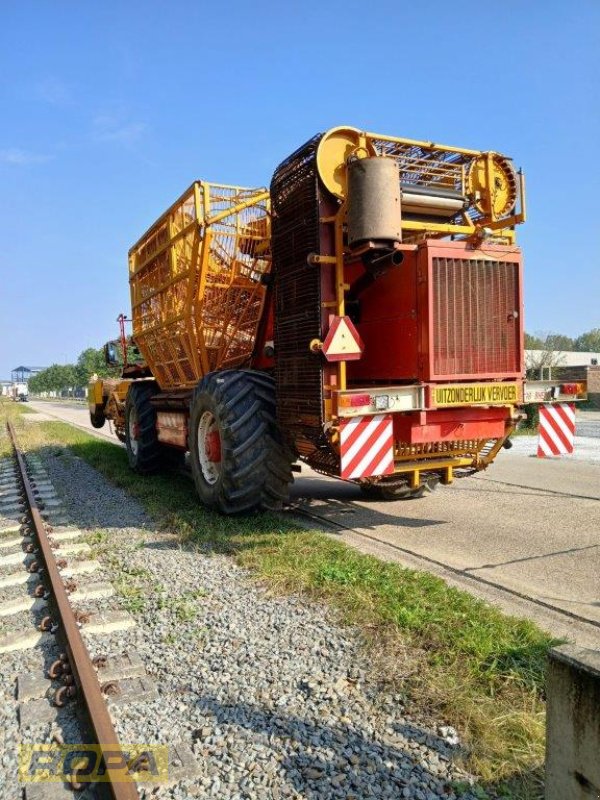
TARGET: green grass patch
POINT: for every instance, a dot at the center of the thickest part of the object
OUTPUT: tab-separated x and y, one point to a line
451	653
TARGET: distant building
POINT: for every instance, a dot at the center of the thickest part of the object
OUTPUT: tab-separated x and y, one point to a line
566	366
22	374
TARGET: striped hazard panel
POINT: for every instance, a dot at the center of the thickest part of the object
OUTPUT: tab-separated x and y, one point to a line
557	430
367	446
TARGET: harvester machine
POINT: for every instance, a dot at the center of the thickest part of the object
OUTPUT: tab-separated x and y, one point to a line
364	316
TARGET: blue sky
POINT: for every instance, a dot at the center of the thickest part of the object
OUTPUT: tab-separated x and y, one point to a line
109	110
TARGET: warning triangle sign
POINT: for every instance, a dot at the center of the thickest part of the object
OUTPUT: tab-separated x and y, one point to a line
342	342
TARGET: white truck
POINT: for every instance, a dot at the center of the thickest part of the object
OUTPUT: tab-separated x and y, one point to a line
20	392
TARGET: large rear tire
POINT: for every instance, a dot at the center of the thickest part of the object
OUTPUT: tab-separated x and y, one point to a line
237	455
143	448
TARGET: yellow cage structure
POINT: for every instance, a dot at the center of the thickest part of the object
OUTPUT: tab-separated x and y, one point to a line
197	281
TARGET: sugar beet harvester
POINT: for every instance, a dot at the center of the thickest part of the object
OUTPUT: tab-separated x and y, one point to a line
365	315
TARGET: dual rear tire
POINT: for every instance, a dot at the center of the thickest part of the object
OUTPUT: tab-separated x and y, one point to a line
238	458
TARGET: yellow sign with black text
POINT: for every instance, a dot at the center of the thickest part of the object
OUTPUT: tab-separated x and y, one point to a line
92	763
482	394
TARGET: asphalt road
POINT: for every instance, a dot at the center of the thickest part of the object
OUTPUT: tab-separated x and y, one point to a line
525	534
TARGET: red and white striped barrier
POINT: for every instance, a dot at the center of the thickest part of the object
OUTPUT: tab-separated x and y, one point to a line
557	430
367	446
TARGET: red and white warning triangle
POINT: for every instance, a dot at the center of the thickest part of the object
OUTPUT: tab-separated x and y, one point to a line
343	342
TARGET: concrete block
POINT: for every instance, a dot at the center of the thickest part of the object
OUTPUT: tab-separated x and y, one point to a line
50	791
35	712
69	549
13	541
49	502
128	665
573	724
13	642
80	567
18	578
182	763
133	690
24	603
65	534
54	517
31	687
10	495
108	622
91	591
9	527
13	558
12	509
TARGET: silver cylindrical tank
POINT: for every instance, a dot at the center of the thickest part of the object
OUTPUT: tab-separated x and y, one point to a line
373	201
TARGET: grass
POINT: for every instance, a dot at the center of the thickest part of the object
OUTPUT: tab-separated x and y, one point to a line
449	653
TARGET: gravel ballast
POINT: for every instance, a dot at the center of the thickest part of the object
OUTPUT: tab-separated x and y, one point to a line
274	697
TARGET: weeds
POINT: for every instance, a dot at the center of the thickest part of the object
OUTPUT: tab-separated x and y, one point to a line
451	653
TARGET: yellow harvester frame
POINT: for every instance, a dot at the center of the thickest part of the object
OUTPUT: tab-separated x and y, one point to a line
196	280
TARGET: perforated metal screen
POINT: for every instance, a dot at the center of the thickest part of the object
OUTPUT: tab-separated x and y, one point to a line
476	306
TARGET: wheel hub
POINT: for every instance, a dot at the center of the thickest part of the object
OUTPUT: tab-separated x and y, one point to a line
209	447
134	431
212	444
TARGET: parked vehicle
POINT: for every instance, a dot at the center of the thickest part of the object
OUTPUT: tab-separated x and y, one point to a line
20	392
364	315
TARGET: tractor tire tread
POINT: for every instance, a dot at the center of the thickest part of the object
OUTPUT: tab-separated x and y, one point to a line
256	463
149	456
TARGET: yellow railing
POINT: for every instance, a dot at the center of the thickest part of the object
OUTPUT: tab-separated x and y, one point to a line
196	281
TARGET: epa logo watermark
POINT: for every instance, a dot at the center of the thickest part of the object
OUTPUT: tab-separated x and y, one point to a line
93	763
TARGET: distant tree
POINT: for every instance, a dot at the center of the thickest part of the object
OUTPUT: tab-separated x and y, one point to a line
59	377
35	383
90	362
588	342
533	342
559	342
549	349
54	378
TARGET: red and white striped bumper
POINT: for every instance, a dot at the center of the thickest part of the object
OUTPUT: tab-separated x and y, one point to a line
367	446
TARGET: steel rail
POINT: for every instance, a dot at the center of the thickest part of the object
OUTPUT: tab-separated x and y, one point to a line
83	670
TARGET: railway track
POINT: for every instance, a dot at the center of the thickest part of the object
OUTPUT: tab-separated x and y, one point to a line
266	703
44	572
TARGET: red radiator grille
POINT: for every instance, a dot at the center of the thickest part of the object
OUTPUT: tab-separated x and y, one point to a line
475	329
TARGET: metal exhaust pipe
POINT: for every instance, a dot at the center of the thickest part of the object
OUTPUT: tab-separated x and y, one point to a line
386	260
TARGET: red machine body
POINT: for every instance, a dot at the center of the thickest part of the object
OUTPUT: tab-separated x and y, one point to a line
449	312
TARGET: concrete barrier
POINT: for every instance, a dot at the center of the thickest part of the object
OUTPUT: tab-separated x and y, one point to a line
573	724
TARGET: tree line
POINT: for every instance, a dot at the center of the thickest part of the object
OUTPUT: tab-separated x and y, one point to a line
69	376
588	342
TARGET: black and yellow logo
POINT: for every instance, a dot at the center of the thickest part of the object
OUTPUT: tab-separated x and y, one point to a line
90	763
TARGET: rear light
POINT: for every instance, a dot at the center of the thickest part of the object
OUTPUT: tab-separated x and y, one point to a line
354	400
572	388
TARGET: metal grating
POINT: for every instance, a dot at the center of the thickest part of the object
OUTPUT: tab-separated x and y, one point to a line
428	449
426	166
475	332
295	234
196	283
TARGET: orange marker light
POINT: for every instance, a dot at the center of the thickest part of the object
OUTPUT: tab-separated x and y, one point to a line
354	400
